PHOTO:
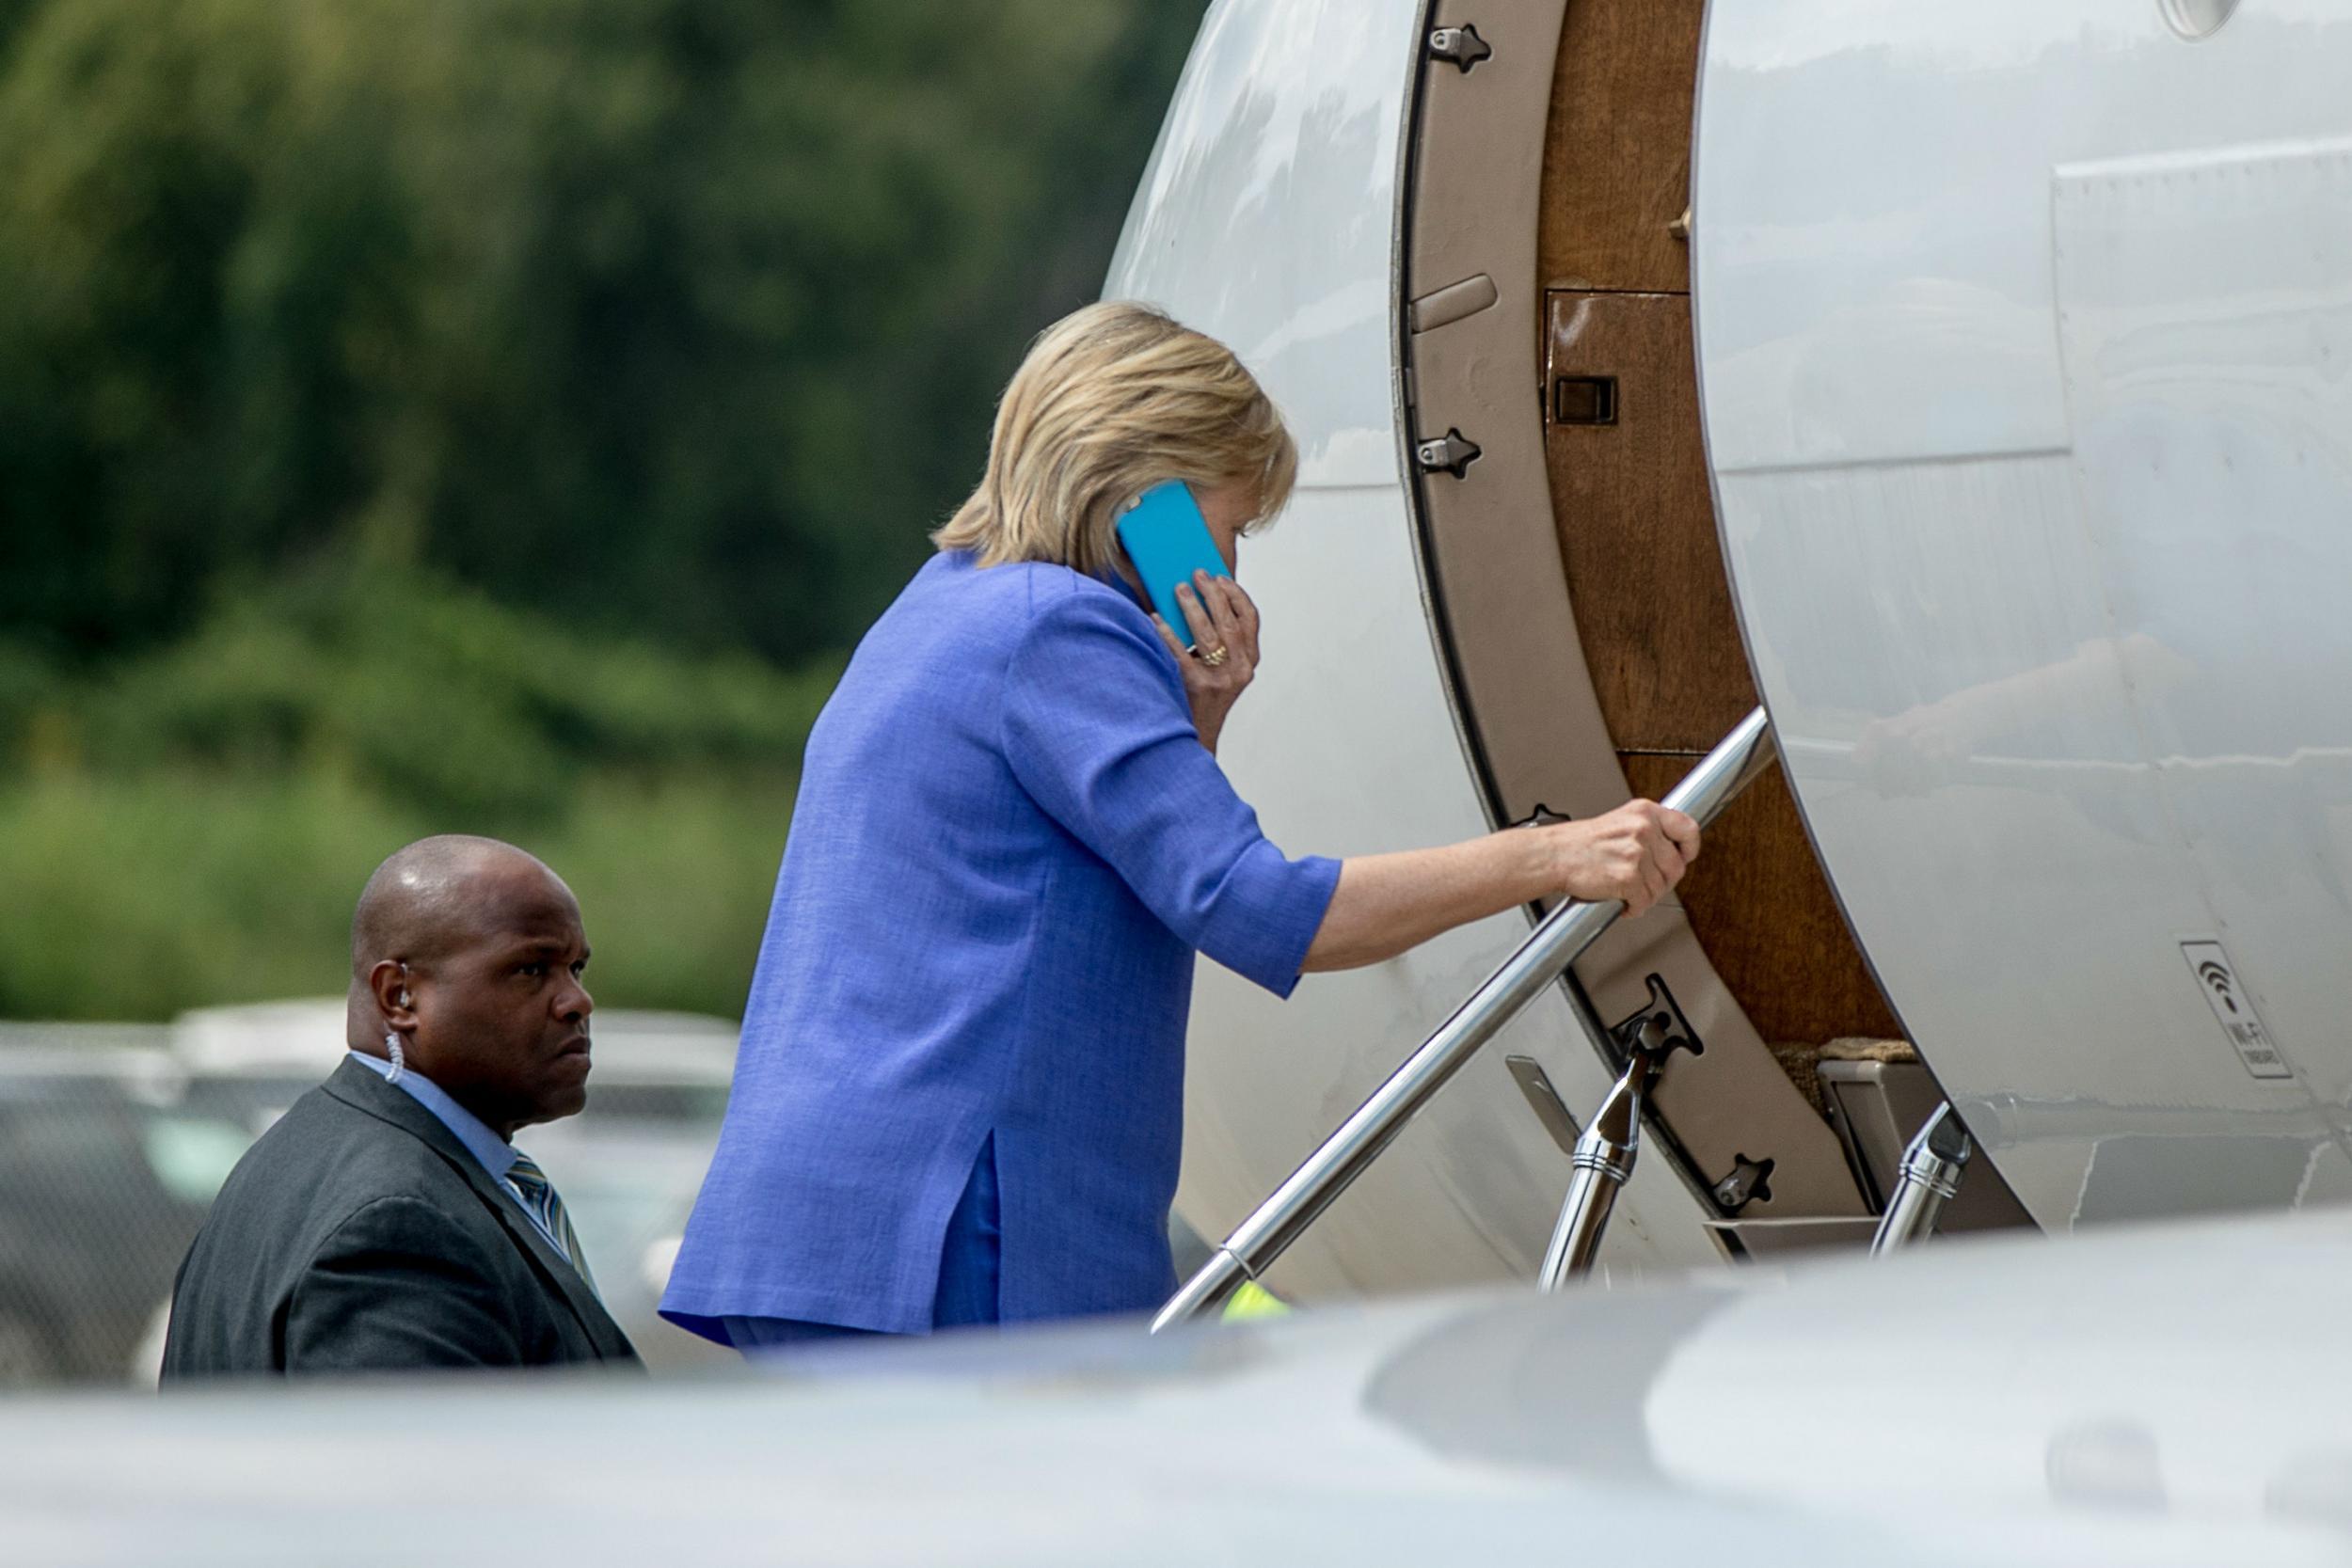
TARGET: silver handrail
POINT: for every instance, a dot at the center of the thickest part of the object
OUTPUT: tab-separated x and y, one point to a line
1556	942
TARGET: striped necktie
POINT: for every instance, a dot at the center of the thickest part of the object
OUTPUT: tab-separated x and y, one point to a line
539	1198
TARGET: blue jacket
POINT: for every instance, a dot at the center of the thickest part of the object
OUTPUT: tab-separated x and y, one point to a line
1009	844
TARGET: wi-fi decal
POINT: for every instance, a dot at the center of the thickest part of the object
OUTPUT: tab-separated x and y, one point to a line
2233	1008
2219	981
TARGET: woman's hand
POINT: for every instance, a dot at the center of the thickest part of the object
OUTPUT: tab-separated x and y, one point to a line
1386	904
1632	855
1224	626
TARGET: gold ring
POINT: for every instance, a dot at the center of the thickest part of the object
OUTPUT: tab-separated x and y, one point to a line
1212	657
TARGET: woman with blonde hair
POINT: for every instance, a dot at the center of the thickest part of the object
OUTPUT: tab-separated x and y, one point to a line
960	1091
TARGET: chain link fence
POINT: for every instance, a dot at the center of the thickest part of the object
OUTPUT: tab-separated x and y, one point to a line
95	1204
114	1140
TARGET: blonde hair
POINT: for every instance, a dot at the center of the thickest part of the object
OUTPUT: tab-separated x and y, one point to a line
1111	401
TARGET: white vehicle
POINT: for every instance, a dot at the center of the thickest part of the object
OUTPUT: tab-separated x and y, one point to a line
1999	353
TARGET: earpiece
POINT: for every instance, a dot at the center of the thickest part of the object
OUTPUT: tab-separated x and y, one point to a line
391	1048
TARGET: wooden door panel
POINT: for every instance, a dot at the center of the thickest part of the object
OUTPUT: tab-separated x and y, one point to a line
1764	915
1618	151
1637	523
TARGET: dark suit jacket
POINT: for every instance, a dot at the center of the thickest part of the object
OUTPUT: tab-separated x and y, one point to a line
359	1235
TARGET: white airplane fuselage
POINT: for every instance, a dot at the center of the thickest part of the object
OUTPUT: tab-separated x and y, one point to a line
2020	336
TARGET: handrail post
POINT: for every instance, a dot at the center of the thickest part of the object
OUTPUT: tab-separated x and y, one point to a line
1559	938
1602	1164
1932	1169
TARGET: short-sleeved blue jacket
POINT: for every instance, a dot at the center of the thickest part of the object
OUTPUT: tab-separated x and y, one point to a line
1009	844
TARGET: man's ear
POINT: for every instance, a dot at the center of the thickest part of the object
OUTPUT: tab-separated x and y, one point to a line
387	982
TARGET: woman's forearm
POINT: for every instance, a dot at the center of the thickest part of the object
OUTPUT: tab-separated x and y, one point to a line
1386	904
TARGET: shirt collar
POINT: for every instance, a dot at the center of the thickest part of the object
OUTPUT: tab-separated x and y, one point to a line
495	1154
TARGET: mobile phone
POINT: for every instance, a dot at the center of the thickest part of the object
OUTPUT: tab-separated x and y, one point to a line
1165	537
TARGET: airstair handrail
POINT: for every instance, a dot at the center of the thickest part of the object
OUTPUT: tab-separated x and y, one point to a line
1559	938
1932	1166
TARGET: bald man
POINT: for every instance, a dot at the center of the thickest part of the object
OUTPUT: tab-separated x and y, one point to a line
388	1223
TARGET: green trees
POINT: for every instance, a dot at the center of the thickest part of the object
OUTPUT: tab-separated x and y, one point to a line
682	316
489	414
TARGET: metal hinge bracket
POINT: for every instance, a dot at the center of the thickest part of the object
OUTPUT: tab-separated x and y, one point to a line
1460	45
1658	1028
1749	1180
1450	453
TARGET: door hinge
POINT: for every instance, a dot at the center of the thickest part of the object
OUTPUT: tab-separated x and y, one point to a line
1749	1180
1460	45
1450	453
1659	1027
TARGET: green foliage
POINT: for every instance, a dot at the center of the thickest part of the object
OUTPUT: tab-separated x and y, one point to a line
436	698
28	684
136	897
682	316
193	828
423	416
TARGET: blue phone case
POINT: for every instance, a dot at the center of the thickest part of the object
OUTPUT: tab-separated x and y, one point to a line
1163	534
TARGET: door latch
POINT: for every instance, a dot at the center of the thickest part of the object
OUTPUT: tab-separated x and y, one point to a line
1585	399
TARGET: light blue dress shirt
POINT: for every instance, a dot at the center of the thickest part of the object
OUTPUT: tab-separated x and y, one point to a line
1010	845
495	1154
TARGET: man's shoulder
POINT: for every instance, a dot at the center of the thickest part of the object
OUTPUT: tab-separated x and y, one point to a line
327	1159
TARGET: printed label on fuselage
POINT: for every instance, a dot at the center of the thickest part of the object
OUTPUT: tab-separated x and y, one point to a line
2218	979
